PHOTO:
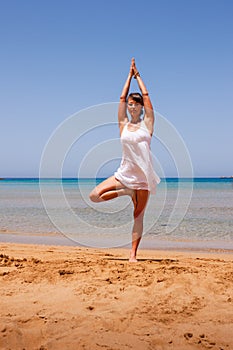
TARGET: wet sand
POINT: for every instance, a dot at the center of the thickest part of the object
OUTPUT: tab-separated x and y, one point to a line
60	297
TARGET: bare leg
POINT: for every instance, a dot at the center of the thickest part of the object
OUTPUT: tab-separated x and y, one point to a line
109	189
140	199
112	188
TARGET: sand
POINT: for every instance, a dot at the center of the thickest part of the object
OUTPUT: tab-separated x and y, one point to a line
78	298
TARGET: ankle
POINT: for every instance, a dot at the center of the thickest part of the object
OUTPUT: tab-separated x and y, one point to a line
133	254
132	257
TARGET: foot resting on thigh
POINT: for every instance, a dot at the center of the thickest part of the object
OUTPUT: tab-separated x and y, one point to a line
134	198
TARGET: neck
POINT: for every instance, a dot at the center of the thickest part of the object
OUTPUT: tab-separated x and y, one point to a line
135	121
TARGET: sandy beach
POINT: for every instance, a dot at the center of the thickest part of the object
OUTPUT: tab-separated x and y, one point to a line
83	298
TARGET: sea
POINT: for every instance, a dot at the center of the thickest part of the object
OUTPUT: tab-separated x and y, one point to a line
185	213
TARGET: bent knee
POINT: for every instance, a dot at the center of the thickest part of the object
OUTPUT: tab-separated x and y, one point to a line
94	196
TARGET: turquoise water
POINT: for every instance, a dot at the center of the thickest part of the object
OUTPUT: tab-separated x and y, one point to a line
203	211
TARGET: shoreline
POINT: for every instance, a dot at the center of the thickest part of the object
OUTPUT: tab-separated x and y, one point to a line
147	242
31	249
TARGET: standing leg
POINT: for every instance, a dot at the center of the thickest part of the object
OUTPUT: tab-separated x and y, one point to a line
140	199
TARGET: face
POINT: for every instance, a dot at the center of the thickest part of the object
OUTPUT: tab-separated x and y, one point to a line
134	108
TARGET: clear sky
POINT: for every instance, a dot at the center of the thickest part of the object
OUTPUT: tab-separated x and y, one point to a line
61	56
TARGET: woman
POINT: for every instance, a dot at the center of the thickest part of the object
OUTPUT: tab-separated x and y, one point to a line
135	176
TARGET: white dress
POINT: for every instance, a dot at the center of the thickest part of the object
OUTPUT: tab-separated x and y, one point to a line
136	168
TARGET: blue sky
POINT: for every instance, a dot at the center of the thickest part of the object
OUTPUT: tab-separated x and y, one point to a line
59	57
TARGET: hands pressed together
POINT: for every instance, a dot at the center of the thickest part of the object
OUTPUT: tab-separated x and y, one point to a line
133	69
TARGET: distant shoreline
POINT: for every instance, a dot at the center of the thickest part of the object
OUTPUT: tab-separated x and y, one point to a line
197	178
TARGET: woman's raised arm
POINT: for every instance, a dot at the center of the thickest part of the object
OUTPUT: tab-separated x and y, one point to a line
122	109
149	113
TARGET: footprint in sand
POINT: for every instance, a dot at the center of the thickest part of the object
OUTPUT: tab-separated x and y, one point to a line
201	339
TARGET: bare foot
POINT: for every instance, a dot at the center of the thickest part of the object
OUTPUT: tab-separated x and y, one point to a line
133	259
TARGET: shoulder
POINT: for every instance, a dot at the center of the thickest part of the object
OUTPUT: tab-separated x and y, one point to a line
122	124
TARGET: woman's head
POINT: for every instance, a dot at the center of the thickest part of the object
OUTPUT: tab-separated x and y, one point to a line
137	97
135	105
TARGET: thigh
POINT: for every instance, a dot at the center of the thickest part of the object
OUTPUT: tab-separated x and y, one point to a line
142	197
109	184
